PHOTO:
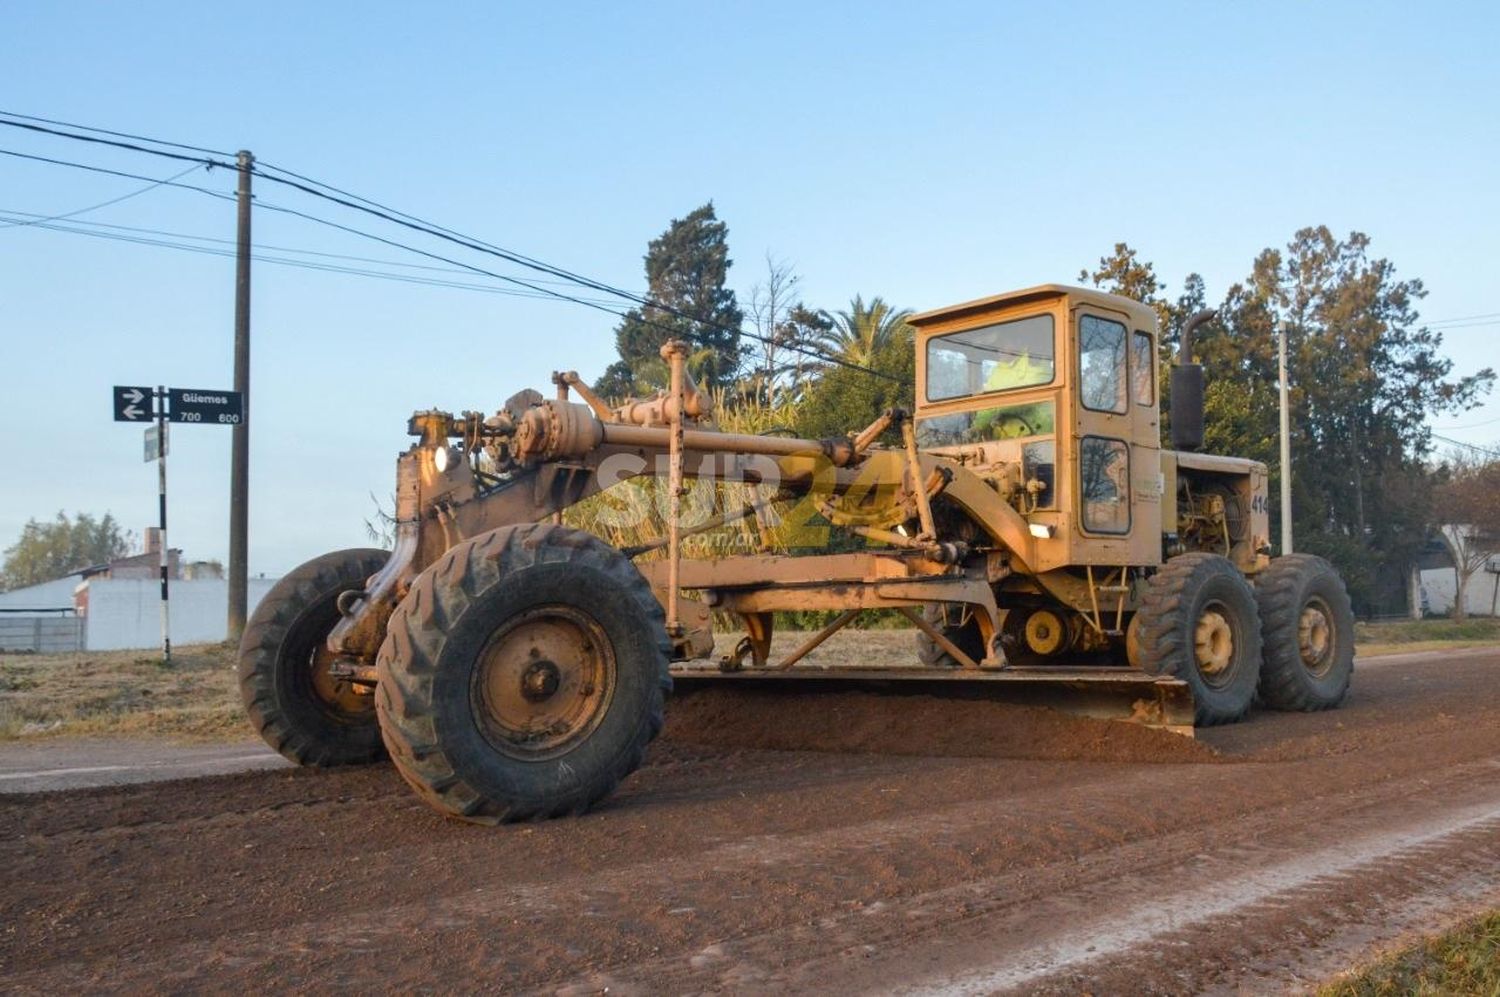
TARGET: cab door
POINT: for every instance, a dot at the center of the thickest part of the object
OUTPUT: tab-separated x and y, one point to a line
1108	439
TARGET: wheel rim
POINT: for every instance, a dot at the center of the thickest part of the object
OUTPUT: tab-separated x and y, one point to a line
1315	641
1044	632
1213	645
543	682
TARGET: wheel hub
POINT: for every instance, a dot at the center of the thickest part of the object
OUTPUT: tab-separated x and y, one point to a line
540	681
1315	636
340	695
1213	643
543	682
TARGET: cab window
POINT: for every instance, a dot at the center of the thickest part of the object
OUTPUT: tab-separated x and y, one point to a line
1101	364
1103	484
1016	354
1142	372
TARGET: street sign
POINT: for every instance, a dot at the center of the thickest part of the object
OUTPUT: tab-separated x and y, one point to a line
158	442
203	405
133	404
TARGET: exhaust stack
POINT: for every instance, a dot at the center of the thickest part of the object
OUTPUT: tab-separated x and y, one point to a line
1187	389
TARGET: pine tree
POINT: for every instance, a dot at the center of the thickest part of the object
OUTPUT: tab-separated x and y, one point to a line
686	267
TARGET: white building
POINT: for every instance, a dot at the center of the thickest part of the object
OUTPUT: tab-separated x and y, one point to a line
1482	598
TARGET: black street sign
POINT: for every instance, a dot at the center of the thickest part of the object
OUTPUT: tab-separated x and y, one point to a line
133	404
223	408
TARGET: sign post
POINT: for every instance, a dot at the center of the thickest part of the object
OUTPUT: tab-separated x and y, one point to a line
161	501
191	405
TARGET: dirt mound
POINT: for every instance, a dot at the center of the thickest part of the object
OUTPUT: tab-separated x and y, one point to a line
897	723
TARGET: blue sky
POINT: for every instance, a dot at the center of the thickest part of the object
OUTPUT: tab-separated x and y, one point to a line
928	155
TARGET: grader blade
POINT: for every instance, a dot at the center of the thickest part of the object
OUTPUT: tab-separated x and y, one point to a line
1101	693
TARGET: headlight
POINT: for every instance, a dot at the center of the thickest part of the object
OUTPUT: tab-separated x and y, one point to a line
440	458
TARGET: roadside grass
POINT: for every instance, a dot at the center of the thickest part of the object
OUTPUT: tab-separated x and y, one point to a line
1466	960
122	693
132	693
1406	636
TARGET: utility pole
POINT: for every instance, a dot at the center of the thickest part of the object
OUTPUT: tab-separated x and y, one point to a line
161	503
239	460
1286	447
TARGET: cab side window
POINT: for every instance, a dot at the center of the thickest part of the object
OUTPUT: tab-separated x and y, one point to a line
1142	371
1101	364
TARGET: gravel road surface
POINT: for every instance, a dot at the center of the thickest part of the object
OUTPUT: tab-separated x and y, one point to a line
908	845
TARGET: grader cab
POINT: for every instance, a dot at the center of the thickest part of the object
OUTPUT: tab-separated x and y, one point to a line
1024	518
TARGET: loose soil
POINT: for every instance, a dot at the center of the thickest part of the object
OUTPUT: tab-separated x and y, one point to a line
196	699
928	845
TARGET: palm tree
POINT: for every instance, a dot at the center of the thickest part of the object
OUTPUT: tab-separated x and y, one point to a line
864	330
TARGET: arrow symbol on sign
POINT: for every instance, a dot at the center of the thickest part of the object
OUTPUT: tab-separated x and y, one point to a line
131	412
133	396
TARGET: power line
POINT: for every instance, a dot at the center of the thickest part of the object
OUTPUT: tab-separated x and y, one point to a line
283	261
115	143
1467	446
116	173
353	202
1464	318
557	271
29	218
102	204
106	131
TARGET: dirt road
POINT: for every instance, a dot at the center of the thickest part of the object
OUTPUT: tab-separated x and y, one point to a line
998	850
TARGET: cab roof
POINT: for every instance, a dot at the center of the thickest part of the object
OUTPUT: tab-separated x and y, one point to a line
1041	292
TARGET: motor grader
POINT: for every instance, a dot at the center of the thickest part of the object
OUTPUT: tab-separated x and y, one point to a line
1024	517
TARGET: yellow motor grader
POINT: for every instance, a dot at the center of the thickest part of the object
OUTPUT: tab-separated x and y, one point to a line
1024	518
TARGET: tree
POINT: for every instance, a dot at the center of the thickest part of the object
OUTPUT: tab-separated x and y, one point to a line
846	399
1467	504
789	334
1364	378
48	551
686	267
865	330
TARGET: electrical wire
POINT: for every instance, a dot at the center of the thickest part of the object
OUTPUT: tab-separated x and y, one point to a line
102	204
29	217
73	229
353	202
106	131
1467	446
116	173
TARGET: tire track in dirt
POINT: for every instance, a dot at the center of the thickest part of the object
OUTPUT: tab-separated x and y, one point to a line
1460	849
1084	897
713	864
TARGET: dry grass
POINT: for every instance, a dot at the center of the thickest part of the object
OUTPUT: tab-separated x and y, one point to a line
1463	961
122	692
1406	636
131	693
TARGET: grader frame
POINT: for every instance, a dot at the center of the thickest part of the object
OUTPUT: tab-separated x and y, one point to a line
1028	494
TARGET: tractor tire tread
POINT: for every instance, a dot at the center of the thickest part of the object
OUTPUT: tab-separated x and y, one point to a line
1279	592
1163	637
262	642
408	663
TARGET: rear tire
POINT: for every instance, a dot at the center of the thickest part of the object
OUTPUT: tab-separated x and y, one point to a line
283	666
1307	628
1198	622
951	623
523	675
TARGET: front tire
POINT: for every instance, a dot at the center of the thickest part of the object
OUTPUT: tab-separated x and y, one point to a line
1198	622
1307	627
292	700
523	675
